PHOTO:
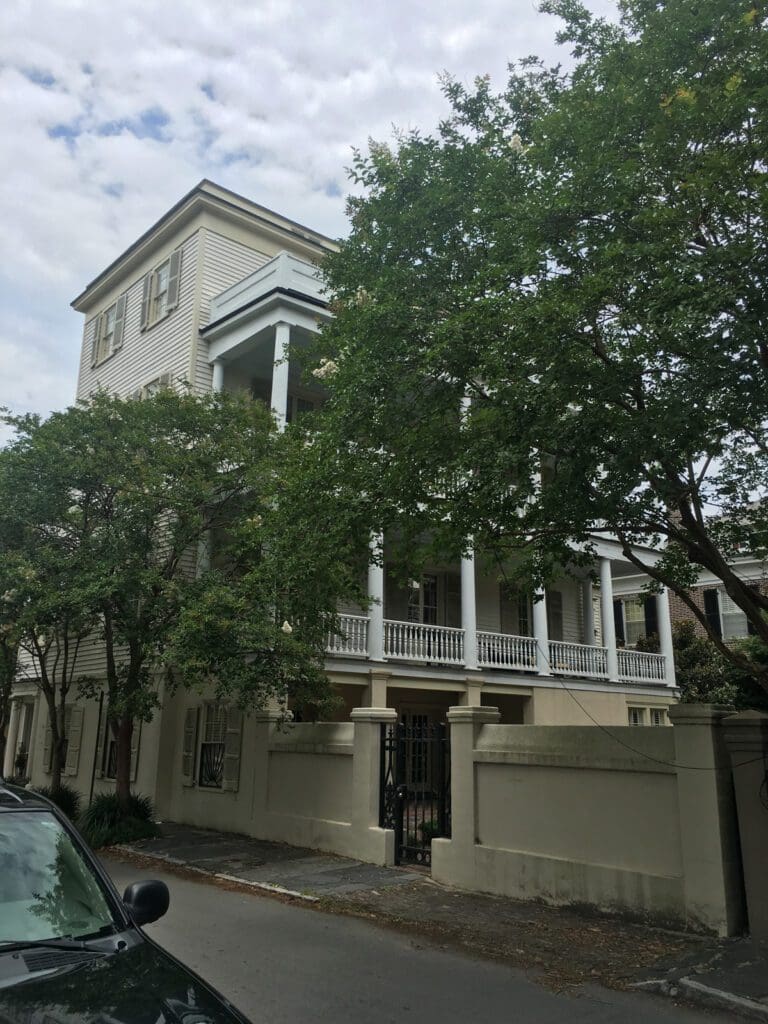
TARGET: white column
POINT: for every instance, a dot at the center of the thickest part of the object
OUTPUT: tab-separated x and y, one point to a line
541	631
218	375
12	738
606	616
279	400
588	612
376	594
469	610
665	636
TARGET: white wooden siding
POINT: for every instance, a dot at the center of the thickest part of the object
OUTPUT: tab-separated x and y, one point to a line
144	356
225	262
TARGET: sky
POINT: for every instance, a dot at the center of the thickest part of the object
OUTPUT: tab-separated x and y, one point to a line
111	110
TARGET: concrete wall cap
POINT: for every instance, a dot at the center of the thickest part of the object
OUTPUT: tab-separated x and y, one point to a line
373	715
271	716
746	731
697	714
473	714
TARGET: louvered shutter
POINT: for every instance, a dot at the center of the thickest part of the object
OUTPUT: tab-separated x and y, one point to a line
189	746
117	337
555	614
174	280
135	742
232	739
47	750
751	631
95	341
146	294
650	609
165	380
712	611
100	741
618	620
74	735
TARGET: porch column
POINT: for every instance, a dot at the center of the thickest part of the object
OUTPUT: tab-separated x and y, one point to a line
606	615
218	375
469	610
12	738
665	636
376	594
588	612
541	631
279	399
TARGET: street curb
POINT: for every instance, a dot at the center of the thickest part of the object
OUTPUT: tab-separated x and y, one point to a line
270	887
705	995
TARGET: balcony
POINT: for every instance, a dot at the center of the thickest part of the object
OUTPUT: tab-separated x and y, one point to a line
425	644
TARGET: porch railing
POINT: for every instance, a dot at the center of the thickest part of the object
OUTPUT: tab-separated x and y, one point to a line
501	650
641	666
415	641
567	659
352	638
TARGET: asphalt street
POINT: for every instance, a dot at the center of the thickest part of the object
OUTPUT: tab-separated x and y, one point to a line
283	963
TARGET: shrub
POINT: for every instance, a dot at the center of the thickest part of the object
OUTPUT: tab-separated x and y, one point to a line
65	797
106	822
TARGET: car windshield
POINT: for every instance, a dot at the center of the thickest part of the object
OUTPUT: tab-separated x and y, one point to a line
47	889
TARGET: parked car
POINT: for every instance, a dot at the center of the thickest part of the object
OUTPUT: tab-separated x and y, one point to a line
71	950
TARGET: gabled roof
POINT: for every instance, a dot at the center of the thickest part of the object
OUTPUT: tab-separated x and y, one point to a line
205	195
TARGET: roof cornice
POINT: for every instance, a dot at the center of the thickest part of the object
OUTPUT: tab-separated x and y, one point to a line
204	197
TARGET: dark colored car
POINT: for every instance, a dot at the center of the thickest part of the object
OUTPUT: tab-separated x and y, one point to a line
72	951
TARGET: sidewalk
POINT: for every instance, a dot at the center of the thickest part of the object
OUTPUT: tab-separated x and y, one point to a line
562	947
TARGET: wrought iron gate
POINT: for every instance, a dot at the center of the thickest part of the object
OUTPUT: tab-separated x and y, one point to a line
415	796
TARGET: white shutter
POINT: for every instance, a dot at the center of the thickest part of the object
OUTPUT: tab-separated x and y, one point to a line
100	741
232	740
174	280
189	746
146	289
135	742
95	341
165	380
74	735
117	337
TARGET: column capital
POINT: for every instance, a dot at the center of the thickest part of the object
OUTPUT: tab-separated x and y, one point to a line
474	714
373	715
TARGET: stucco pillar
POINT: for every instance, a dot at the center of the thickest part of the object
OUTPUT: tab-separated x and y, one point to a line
264	724
279	399
707	815
376	595
469	610
746	738
12	738
377	688
588	612
217	383
375	844
453	860
665	636
541	632
606	617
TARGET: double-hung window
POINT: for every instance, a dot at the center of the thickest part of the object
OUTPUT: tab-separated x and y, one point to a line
725	617
210	756
108	328
160	290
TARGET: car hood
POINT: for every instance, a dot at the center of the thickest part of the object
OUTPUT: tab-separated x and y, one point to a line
141	985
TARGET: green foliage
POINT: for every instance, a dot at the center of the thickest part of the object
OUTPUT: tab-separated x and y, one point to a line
65	797
584	256
705	676
109	820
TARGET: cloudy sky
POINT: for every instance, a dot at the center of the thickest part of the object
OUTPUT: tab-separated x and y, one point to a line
110	110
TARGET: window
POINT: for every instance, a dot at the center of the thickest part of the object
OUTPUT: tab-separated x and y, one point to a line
298	406
514	611
108	327
658	716
634	618
106	752
165	380
160	290
555	614
724	616
636	716
214	762
422	600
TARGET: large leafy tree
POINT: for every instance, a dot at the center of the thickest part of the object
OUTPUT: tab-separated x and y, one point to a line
128	495
583	257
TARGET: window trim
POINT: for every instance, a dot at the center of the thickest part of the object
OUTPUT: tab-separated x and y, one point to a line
149	293
119	308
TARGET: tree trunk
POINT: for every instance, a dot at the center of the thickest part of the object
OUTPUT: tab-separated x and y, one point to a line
123	736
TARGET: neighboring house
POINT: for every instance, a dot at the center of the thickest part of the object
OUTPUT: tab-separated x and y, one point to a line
219	294
724	617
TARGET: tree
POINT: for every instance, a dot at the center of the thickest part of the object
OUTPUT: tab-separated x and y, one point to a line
584	258
139	487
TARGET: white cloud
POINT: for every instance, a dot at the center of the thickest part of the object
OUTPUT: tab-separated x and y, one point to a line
109	114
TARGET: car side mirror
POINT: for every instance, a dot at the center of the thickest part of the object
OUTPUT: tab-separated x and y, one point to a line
146	901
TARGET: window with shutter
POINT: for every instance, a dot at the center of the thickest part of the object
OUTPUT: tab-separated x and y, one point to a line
651	613
712	611
555	614
108	329
212	746
189	746
74	735
160	290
